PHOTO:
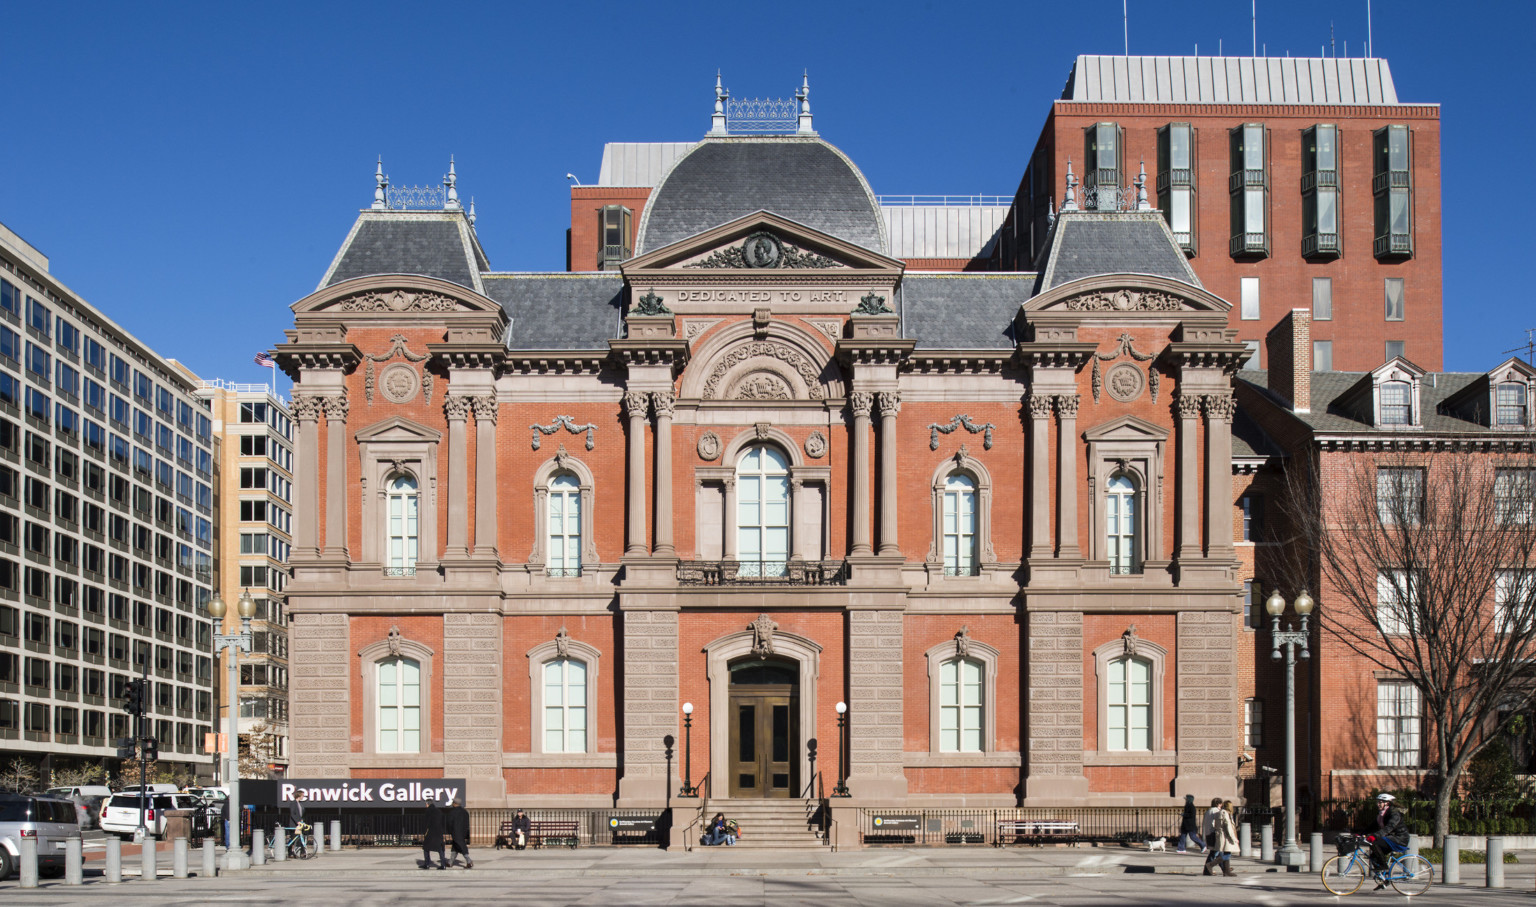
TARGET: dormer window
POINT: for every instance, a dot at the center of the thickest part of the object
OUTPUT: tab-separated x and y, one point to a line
1396	403
1511	404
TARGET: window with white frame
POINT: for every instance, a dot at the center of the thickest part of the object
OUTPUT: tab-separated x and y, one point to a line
1129	704
1514	496
399	705
1510	404
1396	403
1514	600
1396	601
1120	522
565	706
1253	723
1397	724
1399	495
961	706
1253	603
762	512
564	526
959	525
403	532
1250	295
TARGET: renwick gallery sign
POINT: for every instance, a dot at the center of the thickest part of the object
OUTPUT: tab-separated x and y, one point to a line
355	793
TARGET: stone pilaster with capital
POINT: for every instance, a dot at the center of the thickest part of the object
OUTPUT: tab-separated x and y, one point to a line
1066	406
1066	487
485	475
336	407
1188	406
485	408
637	405
308	409
890	405
662	402
1219	407
457	408
1188	477
861	403
1040	408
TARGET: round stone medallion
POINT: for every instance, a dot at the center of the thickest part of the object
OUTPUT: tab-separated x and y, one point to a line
709	446
816	445
399	383
1125	382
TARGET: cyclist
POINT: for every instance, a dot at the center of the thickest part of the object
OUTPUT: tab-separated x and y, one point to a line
1390	836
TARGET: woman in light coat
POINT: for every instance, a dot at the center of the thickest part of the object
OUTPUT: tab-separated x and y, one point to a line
1223	840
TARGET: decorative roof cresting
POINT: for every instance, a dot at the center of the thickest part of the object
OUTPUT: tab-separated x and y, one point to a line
444	197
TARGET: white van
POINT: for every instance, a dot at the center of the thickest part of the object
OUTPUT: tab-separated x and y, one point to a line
82	790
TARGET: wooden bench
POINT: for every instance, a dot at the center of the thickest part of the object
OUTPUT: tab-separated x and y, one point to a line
1025	831
551	832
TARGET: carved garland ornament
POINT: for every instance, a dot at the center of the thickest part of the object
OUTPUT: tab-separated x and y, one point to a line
764	250
1128	387
396	376
788	355
569	424
398	301
763	386
961	421
1124	301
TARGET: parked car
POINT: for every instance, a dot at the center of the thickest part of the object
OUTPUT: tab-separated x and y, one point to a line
48	819
120	813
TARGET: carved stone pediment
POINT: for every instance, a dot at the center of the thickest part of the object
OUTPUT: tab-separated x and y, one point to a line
764	370
397	301
761	243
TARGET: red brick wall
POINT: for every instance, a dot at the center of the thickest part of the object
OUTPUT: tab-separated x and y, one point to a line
521	633
586	206
396	773
1119	779
1158	628
426	629
559	780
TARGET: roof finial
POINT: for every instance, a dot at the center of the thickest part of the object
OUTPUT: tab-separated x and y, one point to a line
381	182
804	97
451	183
1141	188
1050	214
717	122
1069	203
471	210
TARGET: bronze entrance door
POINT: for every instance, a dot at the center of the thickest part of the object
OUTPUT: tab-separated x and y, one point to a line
764	720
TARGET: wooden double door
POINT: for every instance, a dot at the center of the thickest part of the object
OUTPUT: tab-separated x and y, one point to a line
764	733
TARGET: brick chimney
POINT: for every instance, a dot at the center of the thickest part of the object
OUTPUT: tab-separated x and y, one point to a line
1289	350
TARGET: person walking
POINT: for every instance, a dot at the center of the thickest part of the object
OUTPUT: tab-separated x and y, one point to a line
458	831
1208	833
1189	825
432	840
1223	840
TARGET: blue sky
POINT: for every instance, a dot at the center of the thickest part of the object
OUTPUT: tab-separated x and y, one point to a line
192	169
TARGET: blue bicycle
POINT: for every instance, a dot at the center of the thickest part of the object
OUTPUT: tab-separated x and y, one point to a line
1408	873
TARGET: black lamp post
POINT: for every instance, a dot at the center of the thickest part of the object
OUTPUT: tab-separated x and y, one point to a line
842	748
810	749
688	789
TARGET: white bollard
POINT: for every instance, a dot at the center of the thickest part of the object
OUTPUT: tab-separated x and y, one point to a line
74	866
1495	863
178	858
210	860
1245	840
279	844
1317	852
1267	843
147	865
319	838
28	855
1450	870
1414	843
114	870
258	847
335	835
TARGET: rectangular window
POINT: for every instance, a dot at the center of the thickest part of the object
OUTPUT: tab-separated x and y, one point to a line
1176	182
1102	173
1253	723
1250	299
1514	496
565	706
615	222
1322	299
1397	724
1392	186
68	336
960	706
1395	350
1511	406
1129	700
39	318
1253	603
1249	185
1514	601
1394	298
1253	360
1253	517
1400	495
10	298
1322	355
1320	235
1396	602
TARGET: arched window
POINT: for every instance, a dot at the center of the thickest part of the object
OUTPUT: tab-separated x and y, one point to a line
399	705
959	525
961	706
1120	523
565	706
1510	403
403	502
762	512
1129	703
564	526
1396	403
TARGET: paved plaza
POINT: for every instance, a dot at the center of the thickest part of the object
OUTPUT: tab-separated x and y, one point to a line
612	877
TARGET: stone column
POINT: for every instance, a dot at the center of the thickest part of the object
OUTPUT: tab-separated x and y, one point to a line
890	405
1054	763
1208	716
457	411
728	548
1039	475
1218	472
875	701
320	719
662	402
485	476
1189	478
1066	487
650	707
306	478
472	707
797	501
636	404
336	477
861	403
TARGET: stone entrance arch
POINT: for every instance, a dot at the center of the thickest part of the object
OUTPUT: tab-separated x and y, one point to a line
719	654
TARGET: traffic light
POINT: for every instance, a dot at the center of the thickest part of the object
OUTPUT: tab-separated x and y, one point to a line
126	748
133	698
151	749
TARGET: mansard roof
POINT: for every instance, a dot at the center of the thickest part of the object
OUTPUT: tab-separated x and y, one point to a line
801	178
1089	244
1331	392
439	244
556	311
962	311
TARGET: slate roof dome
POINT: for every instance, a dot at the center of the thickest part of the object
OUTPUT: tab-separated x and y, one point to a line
801	178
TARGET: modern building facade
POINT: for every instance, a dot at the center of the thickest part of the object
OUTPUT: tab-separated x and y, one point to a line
106	528
254	435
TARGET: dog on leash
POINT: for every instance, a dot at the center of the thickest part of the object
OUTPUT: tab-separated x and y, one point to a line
1160	844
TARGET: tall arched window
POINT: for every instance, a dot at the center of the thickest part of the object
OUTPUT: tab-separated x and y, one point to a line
565	706
1129	702
1120	521
959	525
961	707
762	512
399	705
403	530
564	526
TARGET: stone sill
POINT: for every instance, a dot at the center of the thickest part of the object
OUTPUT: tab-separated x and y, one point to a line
962	760
1161	758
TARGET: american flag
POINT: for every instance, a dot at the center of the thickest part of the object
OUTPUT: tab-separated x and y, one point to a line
265	361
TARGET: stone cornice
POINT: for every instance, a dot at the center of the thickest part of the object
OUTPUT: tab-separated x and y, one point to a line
295	357
555	362
471	354
1056	354
874	352
1226	356
662	351
957	362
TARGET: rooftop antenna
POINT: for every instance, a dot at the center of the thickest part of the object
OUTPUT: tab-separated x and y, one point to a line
1370	43
1255	12
1529	348
1333	47
1125	21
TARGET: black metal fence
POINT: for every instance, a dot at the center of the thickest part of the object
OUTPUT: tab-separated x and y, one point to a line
1466	817
405	827
980	826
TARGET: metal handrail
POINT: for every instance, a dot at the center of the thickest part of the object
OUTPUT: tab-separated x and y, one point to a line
944	201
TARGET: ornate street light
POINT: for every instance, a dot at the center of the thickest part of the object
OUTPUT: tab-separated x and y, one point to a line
1289	854
233	644
842	748
688	789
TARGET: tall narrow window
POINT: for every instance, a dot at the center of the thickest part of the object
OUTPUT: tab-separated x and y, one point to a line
403	537
959	526
1121	525
1253	723
1393	188
1253	517
762	512
1253	603
1396	403
1250	299
1322	355
1394	298
1397	724
564	526
1101	178
1510	406
1176	182
565	706
1320	192
1396	602
960	706
399	704
1514	496
1249	186
615	225
1129	700
1322	299
1514	600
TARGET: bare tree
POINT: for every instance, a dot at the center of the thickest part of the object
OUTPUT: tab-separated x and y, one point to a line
79	774
19	774
1427	560
258	747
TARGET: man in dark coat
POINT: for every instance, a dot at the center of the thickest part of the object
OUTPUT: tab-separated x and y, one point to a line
1391	834
458	830
432	841
1189	826
521	829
